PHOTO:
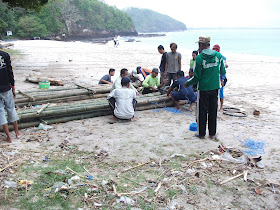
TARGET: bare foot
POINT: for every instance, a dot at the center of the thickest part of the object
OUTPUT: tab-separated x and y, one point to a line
221	109
133	119
19	134
9	140
190	109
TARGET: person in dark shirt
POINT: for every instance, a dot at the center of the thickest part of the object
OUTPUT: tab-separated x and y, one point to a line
106	79
162	62
7	92
182	92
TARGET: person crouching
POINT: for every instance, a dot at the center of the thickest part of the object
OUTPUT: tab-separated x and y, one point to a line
123	101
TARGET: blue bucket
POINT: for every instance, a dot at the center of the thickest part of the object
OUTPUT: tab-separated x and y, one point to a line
193	127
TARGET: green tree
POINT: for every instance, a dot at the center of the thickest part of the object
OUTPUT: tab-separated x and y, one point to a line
36	5
30	26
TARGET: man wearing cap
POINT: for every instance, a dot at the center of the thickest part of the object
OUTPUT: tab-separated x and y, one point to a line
162	62
151	83
182	92
173	64
136	76
117	83
209	66
123	101
7	92
223	78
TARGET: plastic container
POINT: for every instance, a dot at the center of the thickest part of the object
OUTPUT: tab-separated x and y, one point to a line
193	127
44	85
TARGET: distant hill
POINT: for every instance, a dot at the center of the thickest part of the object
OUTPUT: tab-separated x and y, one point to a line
147	21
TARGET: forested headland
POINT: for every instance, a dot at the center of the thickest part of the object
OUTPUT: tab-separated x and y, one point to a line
72	19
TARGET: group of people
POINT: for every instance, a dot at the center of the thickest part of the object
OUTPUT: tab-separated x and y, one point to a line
207	76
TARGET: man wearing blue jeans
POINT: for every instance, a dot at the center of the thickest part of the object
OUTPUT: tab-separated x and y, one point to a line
7	92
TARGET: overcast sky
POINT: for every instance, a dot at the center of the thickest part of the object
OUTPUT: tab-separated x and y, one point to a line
213	13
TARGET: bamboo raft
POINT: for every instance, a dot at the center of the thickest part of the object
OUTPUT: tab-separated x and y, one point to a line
91	103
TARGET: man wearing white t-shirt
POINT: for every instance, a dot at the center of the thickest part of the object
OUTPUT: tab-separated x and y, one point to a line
123	101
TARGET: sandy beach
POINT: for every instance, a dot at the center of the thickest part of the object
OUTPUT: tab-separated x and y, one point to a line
253	83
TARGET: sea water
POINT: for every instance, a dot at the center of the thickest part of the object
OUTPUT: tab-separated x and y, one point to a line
240	41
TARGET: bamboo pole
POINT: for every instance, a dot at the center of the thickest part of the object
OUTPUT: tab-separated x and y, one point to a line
27	95
43	108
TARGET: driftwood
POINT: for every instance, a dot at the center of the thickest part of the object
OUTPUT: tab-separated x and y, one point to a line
232	178
36	80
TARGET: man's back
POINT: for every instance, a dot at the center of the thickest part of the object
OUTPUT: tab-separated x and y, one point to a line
6	74
124	107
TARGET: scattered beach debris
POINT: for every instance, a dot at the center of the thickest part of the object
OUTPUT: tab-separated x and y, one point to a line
53	82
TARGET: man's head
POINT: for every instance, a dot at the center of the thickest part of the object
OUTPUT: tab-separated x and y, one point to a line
191	74
134	73
111	72
138	69
154	72
125	82
203	42
124	73
194	54
180	74
161	49
216	47
173	47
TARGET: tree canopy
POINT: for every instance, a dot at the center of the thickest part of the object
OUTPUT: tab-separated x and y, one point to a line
35	5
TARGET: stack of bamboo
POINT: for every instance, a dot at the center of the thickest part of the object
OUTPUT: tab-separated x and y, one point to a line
75	111
31	98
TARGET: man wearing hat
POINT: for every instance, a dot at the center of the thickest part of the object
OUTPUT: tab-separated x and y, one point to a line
151	83
136	77
123	101
209	66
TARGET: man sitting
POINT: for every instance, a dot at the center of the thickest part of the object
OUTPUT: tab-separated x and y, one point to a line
117	83
122	101
136	77
151	83
183	93
144	71
106	79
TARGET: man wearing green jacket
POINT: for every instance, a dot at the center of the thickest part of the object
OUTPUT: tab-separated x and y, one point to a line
209	66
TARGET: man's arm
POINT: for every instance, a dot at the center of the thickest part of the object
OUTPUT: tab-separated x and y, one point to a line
11	74
133	88
197	75
179	62
166	66
111	94
169	91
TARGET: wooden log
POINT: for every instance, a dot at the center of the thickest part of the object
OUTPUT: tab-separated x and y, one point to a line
27	95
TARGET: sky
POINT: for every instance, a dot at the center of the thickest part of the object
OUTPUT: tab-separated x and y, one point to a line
213	13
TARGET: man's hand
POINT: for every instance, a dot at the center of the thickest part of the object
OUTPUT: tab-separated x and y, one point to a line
154	88
14	92
165	74
186	85
165	80
222	83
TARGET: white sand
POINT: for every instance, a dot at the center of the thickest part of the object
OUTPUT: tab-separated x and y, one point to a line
253	83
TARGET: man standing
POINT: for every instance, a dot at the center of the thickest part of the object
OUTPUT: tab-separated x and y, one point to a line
162	62
151	83
117	84
173	63
106	79
123	101
216	47
194	54
182	92
7	92
209	66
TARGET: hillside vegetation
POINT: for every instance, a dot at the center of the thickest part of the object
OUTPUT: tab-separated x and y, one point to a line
146	21
74	18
